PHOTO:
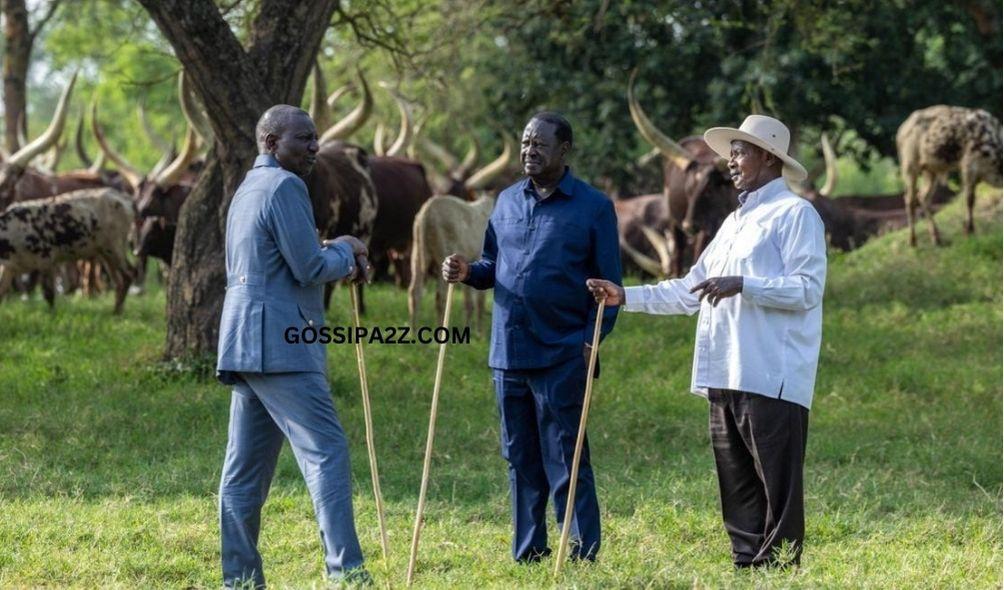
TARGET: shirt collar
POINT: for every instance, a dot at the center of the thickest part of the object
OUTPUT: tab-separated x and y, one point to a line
266	161
566	186
750	199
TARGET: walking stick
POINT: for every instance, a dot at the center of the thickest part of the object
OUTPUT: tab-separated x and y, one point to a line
428	441
370	447
574	477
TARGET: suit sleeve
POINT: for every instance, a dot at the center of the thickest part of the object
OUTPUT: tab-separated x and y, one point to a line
802	242
482	272
605	264
291	223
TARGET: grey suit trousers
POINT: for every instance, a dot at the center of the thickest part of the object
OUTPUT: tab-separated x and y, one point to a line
264	410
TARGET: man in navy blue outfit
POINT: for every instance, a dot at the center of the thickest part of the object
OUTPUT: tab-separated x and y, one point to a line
548	233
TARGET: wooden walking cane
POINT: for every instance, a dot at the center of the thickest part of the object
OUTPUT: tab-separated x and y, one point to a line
370	447
428	441
566	527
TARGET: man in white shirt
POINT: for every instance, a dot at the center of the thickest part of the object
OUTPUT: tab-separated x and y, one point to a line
759	288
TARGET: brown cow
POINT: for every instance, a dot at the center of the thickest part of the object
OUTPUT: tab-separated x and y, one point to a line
697	187
937	140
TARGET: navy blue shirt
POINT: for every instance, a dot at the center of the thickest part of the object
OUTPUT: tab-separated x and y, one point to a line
537	255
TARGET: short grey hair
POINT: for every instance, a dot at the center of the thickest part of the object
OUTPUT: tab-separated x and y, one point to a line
274	121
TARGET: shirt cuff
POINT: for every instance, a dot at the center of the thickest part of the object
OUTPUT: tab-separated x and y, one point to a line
753	288
633	298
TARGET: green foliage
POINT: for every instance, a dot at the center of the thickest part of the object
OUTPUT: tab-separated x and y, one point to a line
109	465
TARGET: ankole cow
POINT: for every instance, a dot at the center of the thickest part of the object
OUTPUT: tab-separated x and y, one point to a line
937	140
89	224
696	185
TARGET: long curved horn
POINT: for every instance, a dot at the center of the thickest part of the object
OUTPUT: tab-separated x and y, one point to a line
406	132
99	163
193	111
651	133
831	167
659	243
78	143
354	120
448	160
318	92
22	138
379	140
158	142
482	177
21	157
127	170
172	173
463	170
339	92
165	160
644	262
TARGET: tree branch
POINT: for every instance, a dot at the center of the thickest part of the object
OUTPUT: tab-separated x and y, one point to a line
50	12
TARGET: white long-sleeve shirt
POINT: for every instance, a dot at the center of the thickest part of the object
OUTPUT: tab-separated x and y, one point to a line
765	340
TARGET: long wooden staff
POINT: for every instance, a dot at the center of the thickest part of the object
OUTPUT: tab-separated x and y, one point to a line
428	441
566	528
370	447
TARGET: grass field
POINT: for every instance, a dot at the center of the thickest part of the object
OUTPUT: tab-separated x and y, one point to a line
109	461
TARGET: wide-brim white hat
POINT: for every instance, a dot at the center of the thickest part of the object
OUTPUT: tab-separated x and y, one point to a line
764	132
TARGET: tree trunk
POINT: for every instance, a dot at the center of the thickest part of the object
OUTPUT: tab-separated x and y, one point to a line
236	85
16	56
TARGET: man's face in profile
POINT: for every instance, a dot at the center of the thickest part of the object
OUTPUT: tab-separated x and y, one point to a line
295	147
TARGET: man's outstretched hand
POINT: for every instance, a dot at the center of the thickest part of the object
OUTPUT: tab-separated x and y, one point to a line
718	288
606	290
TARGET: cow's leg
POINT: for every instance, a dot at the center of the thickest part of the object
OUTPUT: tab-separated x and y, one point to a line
121	274
910	201
49	288
328	289
479	308
969	190
700	242
468	304
440	299
139	285
415	299
678	246
925	205
6	278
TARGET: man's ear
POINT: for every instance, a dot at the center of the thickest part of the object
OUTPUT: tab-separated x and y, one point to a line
565	148
270	141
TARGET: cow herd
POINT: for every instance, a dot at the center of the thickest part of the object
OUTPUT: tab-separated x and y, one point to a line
74	228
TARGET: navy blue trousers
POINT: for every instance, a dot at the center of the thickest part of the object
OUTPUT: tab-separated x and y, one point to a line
540	411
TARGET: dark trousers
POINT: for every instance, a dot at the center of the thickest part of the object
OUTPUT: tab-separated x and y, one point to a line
540	411
759	445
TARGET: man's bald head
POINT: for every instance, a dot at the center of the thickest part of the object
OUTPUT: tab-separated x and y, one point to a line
274	121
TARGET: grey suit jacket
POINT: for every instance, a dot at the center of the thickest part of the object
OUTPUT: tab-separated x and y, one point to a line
276	270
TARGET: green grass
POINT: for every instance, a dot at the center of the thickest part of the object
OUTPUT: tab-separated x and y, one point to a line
109	463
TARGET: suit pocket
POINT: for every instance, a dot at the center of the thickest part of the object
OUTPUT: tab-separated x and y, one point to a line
312	318
241	335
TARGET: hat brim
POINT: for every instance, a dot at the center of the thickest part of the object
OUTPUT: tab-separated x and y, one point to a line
720	140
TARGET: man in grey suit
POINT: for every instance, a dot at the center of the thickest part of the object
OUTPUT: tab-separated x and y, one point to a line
276	270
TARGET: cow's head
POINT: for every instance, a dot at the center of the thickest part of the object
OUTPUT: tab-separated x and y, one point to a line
692	173
155	238
161	191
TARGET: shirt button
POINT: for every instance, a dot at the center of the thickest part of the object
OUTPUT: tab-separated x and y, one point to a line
310	322
244	279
